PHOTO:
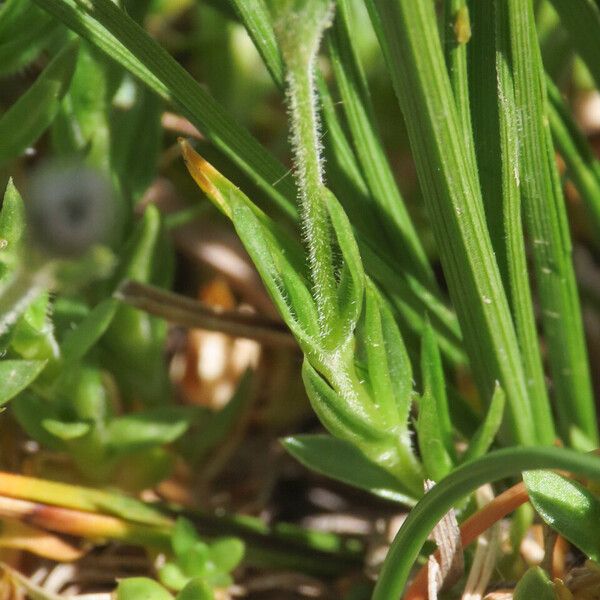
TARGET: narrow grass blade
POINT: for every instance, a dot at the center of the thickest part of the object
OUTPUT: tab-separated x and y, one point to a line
497	144
582	165
581	18
457	34
408	34
23	123
343	171
110	29
255	16
547	224
36	32
356	101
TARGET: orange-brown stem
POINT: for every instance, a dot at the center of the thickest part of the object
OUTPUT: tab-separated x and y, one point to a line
471	529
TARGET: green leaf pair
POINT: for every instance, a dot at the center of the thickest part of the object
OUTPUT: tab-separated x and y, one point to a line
194	559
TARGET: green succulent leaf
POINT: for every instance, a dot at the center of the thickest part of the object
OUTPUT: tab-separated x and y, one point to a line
141	588
152	427
173	576
534	584
196	589
66	431
568	507
226	553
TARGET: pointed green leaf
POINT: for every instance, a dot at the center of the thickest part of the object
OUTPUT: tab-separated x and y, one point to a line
485	434
79	341
352	284
340	460
435	457
394	220
434	380
389	369
255	16
12	222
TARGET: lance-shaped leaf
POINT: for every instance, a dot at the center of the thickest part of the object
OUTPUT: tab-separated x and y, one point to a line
436	460
16	375
77	342
434	383
276	255
485	434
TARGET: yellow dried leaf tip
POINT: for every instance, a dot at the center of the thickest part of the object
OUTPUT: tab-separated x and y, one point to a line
205	175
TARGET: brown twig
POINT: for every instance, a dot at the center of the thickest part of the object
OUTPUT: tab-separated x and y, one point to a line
191	313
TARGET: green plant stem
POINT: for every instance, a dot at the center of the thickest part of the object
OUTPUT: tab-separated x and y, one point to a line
299	49
465	479
547	224
315	221
409	37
